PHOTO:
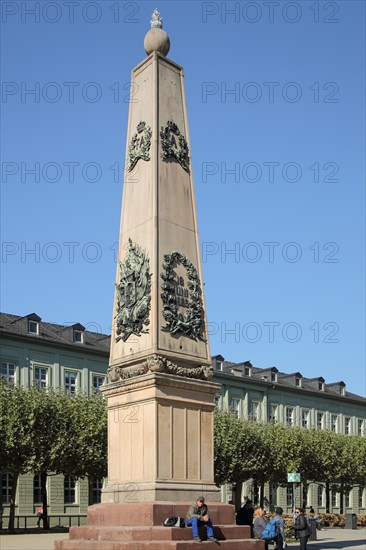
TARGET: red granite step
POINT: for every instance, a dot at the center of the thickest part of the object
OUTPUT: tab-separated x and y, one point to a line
235	544
153	513
128	533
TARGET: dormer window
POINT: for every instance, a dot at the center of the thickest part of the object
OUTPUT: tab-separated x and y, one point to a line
273	376
321	386
247	371
78	333
298	381
218	365
78	336
33	327
343	390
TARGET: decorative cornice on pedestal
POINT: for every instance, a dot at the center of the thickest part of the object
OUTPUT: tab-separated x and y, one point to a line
160	379
158	363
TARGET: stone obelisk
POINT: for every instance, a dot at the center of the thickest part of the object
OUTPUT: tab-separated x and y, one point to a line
160	399
160	403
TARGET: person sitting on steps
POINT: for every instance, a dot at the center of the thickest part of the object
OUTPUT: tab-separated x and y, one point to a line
196	517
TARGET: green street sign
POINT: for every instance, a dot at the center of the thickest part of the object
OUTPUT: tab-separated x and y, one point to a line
293	478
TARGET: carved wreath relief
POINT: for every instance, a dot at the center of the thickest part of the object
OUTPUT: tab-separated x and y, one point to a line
174	144
182	299
140	145
133	293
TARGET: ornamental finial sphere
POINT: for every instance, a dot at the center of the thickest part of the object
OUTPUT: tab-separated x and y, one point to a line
156	40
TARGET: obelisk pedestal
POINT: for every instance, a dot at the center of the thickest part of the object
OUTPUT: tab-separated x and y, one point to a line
160	439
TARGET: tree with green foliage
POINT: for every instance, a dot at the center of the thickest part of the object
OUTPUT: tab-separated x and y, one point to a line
49	432
266	452
16	436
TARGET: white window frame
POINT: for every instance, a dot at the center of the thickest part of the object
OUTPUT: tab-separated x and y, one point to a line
81	333
321	426
11	378
273	408
334	420
218	365
272	493
35	324
36	381
348	425
77	380
96	375
273	376
254	410
320	386
292	418
298	381
334	498
235	406
247	371
305	418
68	481
360	425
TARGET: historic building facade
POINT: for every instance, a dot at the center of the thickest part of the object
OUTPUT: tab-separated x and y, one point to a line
48	354
268	395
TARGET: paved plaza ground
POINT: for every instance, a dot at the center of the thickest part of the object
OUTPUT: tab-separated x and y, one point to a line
330	539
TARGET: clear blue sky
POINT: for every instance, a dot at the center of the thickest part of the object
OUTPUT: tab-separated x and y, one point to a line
291	132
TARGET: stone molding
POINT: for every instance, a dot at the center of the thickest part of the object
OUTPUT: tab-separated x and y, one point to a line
159	364
159	379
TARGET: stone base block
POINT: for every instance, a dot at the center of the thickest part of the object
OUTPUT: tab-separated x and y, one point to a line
167	491
139	526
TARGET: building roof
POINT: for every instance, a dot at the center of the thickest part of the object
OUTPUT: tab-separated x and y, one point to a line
287	380
16	326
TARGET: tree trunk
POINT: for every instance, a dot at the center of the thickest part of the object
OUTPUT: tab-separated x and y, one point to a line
341	499
261	495
12	503
237	495
327	498
255	493
305	487
90	491
44	499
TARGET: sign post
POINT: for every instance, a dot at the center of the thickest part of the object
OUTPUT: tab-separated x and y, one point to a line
293	478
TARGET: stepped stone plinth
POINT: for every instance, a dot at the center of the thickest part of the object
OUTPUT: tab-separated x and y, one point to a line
139	526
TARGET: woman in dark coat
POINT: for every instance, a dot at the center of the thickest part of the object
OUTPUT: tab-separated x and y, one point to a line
245	515
302	529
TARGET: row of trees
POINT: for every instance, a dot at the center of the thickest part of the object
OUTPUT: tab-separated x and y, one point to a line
266	452
48	432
